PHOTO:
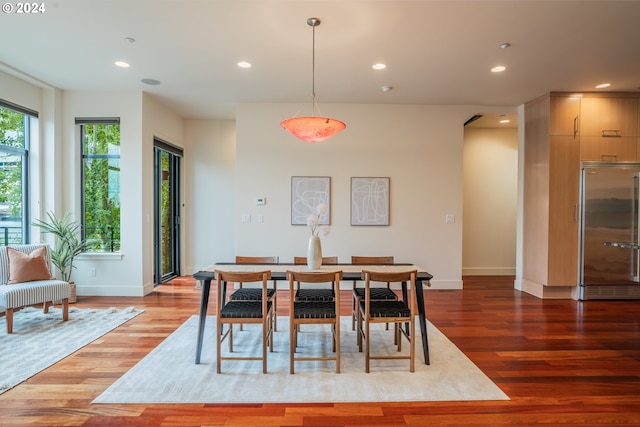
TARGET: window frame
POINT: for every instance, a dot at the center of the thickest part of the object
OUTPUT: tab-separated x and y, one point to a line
23	152
81	122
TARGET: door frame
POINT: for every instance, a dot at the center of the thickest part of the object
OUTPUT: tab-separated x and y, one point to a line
176	153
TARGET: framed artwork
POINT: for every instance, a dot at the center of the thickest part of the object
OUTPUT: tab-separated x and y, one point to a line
307	192
369	201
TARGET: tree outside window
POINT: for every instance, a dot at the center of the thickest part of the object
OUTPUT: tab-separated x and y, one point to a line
14	127
101	185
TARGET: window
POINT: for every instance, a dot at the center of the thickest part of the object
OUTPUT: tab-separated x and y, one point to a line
14	173
100	183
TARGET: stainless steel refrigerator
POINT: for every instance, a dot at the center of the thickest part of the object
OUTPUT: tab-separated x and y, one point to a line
609	240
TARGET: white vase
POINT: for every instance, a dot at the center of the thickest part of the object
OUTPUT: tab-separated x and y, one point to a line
314	253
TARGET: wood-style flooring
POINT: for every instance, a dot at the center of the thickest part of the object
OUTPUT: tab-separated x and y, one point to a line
560	361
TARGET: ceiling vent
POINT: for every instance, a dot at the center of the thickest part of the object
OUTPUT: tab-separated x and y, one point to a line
473	119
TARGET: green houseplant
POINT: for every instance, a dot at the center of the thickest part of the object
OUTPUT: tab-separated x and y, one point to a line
68	244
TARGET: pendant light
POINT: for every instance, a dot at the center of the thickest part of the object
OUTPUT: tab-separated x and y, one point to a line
313	128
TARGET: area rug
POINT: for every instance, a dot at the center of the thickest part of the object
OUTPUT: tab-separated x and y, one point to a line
39	340
168	374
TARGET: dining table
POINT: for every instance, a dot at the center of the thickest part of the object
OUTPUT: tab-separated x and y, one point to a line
279	273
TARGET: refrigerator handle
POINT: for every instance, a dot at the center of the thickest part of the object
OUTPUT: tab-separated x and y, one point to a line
635	259
634	208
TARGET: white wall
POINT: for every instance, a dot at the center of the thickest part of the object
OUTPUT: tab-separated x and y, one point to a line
490	201
209	211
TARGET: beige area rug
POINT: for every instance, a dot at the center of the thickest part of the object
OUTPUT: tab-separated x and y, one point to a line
39	340
168	374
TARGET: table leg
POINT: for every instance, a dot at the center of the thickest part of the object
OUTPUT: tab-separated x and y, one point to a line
423	319
204	302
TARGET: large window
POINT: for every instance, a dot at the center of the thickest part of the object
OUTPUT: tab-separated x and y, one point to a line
101	183
14	183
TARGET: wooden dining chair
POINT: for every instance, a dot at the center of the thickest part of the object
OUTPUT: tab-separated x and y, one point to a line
243	312
250	294
313	312
378	293
315	294
401	314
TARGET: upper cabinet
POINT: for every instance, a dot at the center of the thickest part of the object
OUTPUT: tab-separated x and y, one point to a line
609	127
609	117
565	113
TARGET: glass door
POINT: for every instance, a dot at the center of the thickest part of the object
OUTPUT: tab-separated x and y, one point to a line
166	212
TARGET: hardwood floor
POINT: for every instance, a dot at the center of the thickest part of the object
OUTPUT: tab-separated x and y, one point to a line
560	362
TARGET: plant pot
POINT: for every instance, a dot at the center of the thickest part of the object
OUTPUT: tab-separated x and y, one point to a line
72	296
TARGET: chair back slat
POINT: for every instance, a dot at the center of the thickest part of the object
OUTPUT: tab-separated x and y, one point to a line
314	277
388	276
326	260
243	276
257	259
364	260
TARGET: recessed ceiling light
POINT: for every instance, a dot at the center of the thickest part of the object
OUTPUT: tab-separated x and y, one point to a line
152	82
130	40
603	85
505	121
122	64
244	64
505	45
379	66
498	69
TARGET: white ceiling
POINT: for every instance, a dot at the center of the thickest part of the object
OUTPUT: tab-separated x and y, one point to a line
437	52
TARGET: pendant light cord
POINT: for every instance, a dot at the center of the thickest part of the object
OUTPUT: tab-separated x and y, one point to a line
313	71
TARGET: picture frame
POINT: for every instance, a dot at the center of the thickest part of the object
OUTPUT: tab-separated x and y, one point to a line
307	192
370	203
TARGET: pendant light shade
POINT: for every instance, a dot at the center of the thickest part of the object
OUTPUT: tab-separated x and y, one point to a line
313	128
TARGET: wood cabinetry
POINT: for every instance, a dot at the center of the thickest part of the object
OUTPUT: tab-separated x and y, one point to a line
609	116
564	115
551	192
562	129
609	127
609	149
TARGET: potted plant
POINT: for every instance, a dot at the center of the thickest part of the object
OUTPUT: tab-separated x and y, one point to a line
68	244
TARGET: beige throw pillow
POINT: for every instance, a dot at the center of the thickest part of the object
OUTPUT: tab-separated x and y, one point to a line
27	268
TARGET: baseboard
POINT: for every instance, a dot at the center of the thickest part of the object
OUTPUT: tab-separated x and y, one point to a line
113	290
548	292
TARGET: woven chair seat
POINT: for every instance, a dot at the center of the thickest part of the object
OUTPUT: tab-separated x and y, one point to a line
250	294
243	309
314	310
376	293
388	309
326	295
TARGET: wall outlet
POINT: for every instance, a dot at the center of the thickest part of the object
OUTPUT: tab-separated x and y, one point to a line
449	219
93	272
